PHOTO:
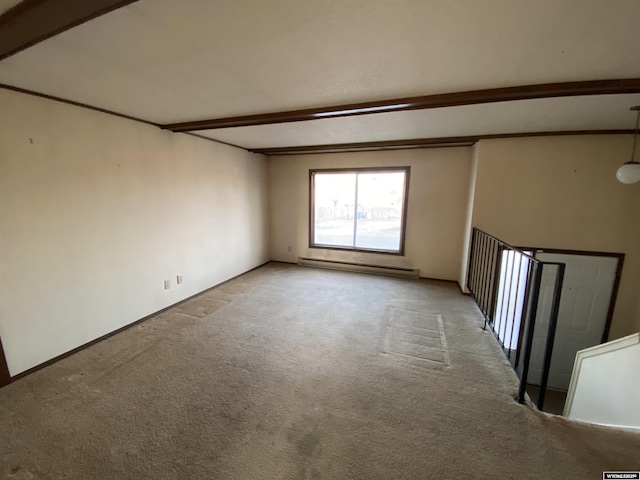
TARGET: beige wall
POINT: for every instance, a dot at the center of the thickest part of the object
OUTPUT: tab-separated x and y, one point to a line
561	192
438	194
97	211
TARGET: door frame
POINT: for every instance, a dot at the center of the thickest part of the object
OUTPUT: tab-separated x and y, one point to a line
616	280
5	376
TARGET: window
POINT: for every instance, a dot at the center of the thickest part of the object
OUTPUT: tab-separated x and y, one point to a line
359	209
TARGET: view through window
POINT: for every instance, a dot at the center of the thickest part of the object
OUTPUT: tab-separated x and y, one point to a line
359	209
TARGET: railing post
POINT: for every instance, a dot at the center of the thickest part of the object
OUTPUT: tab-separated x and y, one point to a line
523	314
484	242
496	280
533	311
551	333
510	277
475	274
513	320
470	270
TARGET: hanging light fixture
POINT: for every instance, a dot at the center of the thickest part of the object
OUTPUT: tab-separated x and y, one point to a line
630	171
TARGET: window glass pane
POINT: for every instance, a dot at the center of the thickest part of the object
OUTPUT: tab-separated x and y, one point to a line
335	195
379	216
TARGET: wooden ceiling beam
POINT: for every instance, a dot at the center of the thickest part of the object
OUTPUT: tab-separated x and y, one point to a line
32	21
473	97
441	142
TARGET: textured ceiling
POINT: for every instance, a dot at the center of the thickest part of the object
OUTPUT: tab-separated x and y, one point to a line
167	61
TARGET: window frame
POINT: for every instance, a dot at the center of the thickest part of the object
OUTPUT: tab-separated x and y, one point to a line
403	218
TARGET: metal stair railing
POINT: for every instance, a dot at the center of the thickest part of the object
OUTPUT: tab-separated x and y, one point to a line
505	284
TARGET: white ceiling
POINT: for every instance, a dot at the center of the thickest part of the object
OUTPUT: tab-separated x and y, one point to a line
167	61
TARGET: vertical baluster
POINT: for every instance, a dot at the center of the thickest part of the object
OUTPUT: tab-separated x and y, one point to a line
533	310
470	269
503	281
514	255
551	333
495	283
481	258
525	308
487	278
476	264
515	307
485	275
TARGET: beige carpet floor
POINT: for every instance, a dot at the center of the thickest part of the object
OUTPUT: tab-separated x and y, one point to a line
297	373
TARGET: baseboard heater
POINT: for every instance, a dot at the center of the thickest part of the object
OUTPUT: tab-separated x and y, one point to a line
359	268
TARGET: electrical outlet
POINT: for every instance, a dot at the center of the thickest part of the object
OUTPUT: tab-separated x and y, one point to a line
167	284
289	248
178	279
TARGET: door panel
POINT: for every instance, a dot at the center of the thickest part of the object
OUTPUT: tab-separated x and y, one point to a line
584	305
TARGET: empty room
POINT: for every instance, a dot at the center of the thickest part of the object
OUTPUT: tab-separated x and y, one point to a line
319	239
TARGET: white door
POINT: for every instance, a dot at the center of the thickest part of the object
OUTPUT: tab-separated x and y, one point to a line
586	295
